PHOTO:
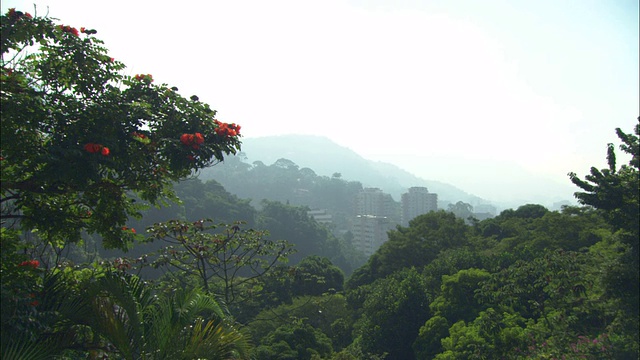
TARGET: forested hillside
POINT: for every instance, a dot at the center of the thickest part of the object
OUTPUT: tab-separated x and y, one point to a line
286	182
110	249
209	200
326	159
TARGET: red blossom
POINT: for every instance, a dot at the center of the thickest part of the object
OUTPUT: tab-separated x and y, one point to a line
31	263
17	15
82	29
96	148
225	129
69	29
192	140
142	77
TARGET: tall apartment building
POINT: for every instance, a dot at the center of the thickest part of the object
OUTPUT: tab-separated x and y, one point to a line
370	232
376	213
372	201
417	201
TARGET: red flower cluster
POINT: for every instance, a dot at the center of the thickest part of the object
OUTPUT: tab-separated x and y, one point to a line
32	263
193	140
141	77
16	15
96	148
69	29
124	228
225	129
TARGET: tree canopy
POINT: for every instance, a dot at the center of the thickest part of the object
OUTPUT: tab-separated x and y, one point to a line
80	139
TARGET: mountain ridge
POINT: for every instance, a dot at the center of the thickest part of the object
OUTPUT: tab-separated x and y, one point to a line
327	158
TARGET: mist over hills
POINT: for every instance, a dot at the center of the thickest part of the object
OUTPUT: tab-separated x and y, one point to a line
327	158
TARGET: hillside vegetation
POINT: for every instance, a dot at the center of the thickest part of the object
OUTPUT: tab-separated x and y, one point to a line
111	249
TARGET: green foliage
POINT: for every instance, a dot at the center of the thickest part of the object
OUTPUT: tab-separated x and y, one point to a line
507	237
532	288
310	238
286	182
226	259
316	275
20	285
416	245
79	138
106	312
393	311
210	200
294	341
328	314
428	343
449	262
491	335
616	191
456	301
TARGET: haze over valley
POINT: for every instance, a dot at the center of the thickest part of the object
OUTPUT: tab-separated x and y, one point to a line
319	180
453	179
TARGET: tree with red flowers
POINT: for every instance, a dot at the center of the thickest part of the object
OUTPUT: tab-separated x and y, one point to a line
82	146
81	141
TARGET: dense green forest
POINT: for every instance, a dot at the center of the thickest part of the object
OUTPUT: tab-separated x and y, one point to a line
111	249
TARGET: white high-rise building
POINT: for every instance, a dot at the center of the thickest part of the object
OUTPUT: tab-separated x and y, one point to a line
417	201
372	201
375	214
370	232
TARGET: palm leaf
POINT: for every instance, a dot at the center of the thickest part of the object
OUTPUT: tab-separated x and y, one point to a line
118	303
25	348
215	340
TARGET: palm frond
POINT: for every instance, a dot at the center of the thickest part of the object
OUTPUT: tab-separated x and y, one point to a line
25	348
215	340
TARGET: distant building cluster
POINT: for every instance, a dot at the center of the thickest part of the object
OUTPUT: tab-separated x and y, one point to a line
377	213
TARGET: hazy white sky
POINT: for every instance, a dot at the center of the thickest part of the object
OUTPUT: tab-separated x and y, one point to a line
536	85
